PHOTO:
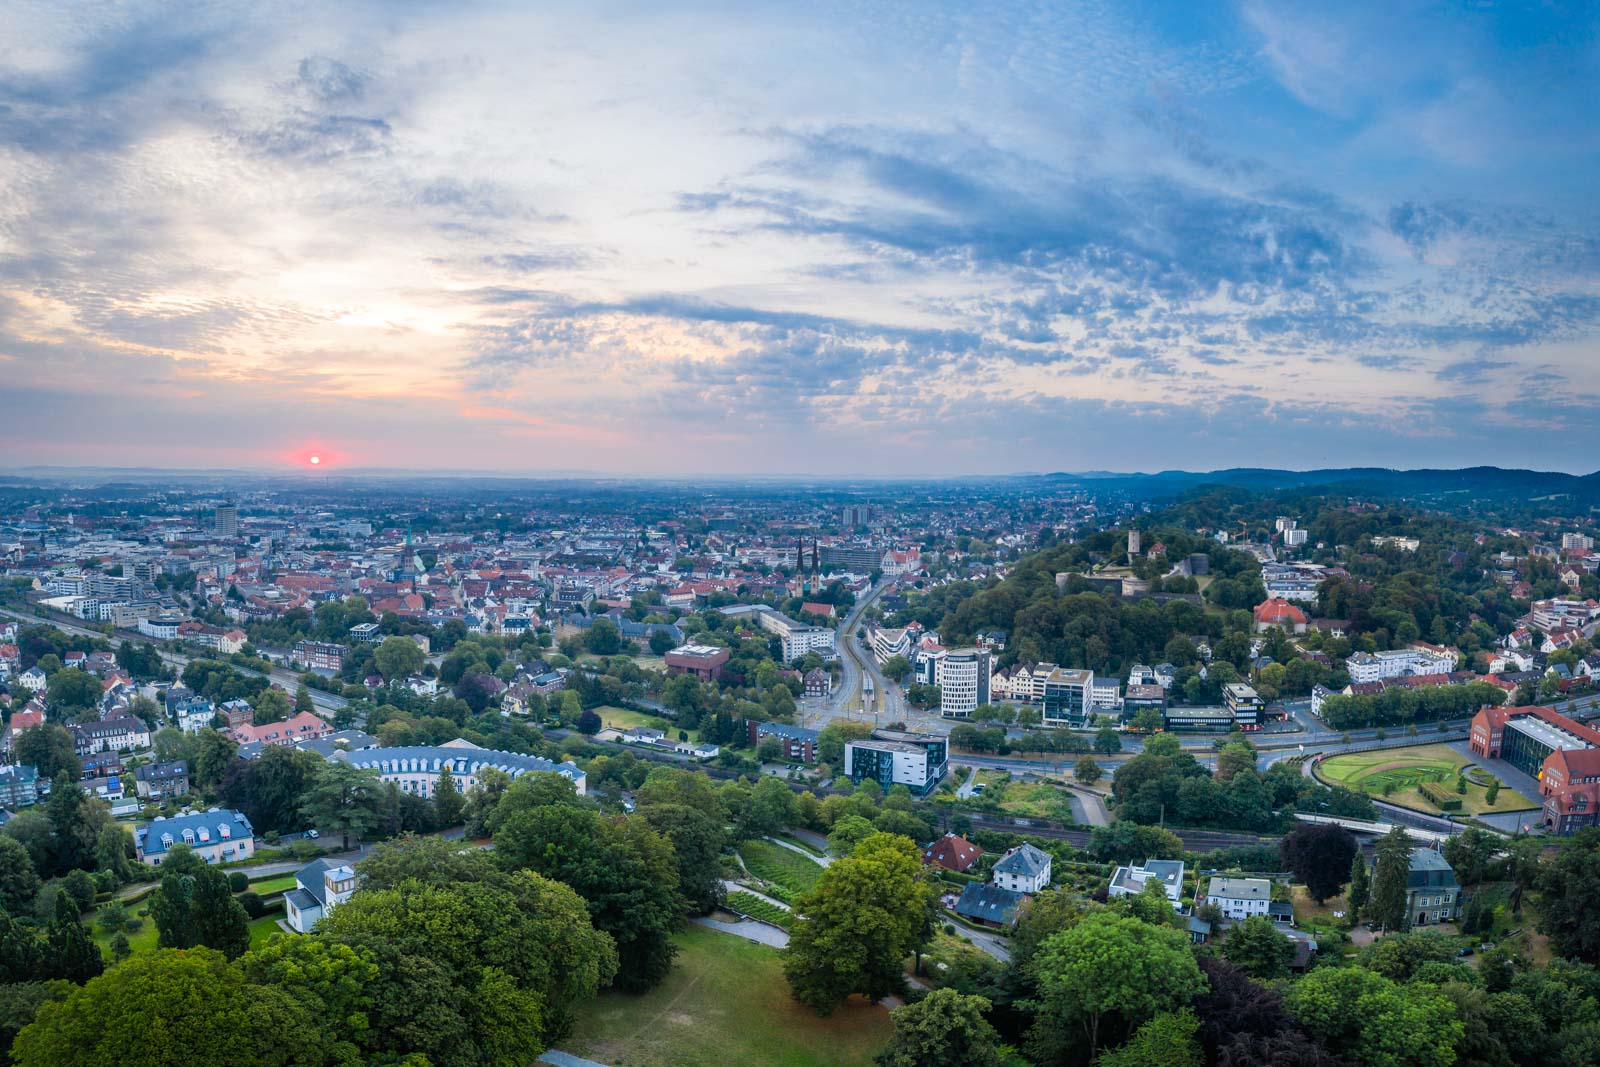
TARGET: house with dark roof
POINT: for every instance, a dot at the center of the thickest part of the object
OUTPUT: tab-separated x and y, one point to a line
157	781
988	904
319	887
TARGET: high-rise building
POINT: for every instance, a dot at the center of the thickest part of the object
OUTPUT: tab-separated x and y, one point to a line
963	677
227	521
855	515
1067	697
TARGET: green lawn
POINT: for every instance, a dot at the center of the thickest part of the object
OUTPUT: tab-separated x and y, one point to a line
278	883
1405	769
265	927
725	1003
776	864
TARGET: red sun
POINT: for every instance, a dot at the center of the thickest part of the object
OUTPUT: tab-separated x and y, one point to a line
312	457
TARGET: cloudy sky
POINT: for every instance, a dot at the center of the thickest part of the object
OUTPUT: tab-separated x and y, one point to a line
887	238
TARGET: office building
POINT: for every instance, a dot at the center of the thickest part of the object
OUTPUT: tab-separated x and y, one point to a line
1244	704
227	521
1068	698
963	679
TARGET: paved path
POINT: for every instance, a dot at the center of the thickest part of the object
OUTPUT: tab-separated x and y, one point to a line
567	1059
993	944
823	861
760	933
1093	806
964	791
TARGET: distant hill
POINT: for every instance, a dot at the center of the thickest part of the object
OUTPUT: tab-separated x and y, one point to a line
1479	481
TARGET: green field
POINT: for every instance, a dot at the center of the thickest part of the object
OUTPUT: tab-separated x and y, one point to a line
1405	769
277	883
725	1003
621	718
265	927
753	906
778	865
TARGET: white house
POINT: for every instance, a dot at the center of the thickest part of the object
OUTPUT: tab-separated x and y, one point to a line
1024	869
1130	881
1240	898
216	836
320	886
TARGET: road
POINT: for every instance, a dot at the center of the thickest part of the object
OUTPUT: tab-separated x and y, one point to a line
326	702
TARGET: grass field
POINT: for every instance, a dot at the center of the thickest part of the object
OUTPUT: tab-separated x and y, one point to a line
776	864
1405	769
265	927
278	883
1038	800
725	1002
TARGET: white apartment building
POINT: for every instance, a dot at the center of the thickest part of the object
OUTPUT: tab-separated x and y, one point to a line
888	643
1400	662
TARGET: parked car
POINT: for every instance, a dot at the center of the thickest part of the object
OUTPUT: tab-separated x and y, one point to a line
313	834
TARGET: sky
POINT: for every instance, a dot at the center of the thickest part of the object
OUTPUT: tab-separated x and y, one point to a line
814	238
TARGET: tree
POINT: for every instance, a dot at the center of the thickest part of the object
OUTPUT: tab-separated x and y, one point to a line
1470	853
896	668
398	657
1256	947
1570	911
19	881
71	690
448	802
1168	1040
1320	857
589	722
222	1019
1110	964
1087	771
660	642
1493	792
344	799
603	638
302	699
771	807
943	1029
69	952
213	753
1356	896
856	928
195	906
268	788
623	868
76	820
19	951
1107	741
831	739
270	705
50	749
697	841
1391	868
1373	1021
848	831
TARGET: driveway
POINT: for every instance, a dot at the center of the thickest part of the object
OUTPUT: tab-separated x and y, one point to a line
760	933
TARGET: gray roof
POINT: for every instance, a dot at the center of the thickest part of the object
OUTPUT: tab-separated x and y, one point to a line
779	729
990	903
151	837
1240	888
430	759
1025	860
309	879
162	772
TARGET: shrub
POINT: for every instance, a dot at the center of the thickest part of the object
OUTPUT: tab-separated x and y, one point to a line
238	881
253	905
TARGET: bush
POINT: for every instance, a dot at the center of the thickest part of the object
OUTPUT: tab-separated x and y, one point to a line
1440	796
253	905
238	881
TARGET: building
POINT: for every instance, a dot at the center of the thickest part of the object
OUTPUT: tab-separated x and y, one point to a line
227	521
1240	898
1564	755
319	655
952	852
1133	544
1139	697
796	637
301	726
416	769
1067	698
963	680
799	744
988	905
1280	614
19	785
1418	658
216	836
365	633
1024	869
319	887
1244	704
158	781
1130	881
705	662
891	763
1187	718
1432	893
888	643
122	734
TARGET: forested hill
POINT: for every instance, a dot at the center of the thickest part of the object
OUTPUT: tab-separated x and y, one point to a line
1493	482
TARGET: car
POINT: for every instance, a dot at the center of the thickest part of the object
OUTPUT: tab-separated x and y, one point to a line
1465	950
313	834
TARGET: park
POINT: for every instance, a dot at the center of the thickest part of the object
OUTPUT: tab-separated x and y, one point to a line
1405	776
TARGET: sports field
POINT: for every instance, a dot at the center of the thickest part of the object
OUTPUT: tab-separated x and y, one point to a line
1397	774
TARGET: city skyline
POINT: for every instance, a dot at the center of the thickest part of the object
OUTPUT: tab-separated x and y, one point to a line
918	240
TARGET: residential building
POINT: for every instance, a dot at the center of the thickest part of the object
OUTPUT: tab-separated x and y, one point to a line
319	887
19	785
158	781
1024	869
952	852
799	744
124	733
1240	898
319	655
1067	698
1432	893
963	679
1131	881
216	836
705	662
817	682
988	904
300	726
416	769
227	521
1280	614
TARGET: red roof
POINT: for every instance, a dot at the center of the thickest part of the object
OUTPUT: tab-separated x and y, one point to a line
952	852
1279	612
